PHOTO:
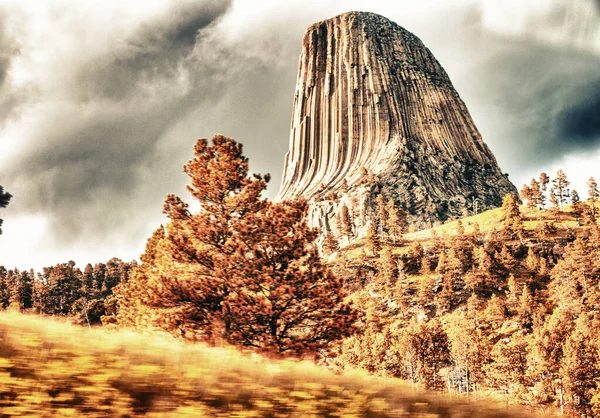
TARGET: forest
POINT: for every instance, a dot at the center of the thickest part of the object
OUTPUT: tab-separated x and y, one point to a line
501	304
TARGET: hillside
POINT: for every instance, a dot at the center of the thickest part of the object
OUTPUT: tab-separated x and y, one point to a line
503	303
50	368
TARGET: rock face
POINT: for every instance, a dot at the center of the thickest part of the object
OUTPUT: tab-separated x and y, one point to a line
375	110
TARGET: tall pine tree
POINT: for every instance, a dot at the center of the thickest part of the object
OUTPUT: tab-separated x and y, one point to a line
242	269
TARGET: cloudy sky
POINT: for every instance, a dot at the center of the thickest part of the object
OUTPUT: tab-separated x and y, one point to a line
101	102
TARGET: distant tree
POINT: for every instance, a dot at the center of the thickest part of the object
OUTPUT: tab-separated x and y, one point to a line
373	240
526	309
381	211
330	243
397	222
425	352
389	268
512	223
537	195
344	186
580	367
507	369
577	207
545	357
544	181
527	195
4	293
532	262
574	196
57	289
4	199
593	194
560	187
469	348
512	301
554	201
242	269
460	229
344	223
21	291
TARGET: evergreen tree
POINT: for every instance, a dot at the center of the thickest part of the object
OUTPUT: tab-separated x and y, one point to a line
397	223
560	188
593	194
330	243
526	194
21	291
545	356
241	269
512	226
4	199
4	292
544	181
580	367
344	223
574	196
537	196
382	214
507	369
373	240
389	268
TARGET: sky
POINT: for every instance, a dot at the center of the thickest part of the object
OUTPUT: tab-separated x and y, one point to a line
101	102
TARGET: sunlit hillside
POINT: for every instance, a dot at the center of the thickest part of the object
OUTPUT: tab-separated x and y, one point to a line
49	368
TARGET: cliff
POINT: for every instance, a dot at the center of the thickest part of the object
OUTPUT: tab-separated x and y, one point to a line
373	108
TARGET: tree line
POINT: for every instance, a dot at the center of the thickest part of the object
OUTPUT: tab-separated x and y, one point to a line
86	296
515	308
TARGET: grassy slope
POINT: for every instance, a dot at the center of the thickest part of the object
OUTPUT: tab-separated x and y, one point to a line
49	368
488	221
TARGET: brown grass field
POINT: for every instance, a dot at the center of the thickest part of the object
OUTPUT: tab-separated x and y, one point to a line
52	369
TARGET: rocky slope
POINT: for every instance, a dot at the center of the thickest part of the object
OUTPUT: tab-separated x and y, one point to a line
375	108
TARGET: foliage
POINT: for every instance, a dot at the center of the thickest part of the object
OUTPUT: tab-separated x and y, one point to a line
64	290
242	269
4	199
516	291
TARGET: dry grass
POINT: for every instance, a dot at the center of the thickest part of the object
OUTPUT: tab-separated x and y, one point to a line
50	369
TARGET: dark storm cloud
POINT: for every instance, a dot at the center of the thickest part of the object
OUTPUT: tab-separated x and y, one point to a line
580	123
87	160
153	53
534	103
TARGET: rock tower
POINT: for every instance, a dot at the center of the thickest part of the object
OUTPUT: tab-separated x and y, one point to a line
375	112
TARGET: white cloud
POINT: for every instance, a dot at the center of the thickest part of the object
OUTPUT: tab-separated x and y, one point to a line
563	23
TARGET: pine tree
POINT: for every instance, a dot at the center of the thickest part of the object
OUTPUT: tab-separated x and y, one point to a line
344	223
512	225
574	196
560	188
4	199
373	240
389	268
4	292
537	196
469	348
532	262
330	243
580	367
382	214
397	223
527	195
508	366
593	194
512	301
241	269
544	181
545	357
